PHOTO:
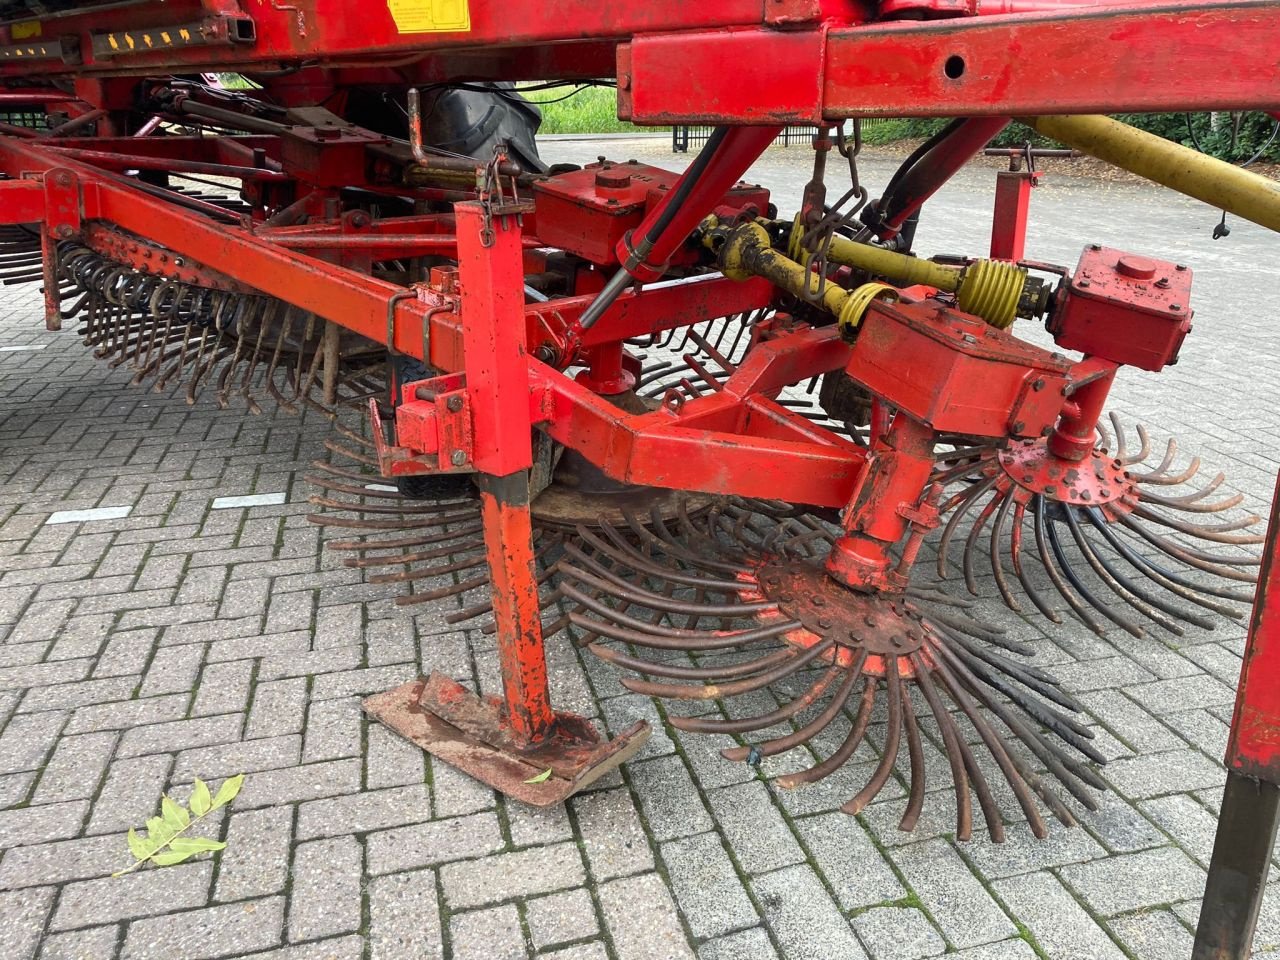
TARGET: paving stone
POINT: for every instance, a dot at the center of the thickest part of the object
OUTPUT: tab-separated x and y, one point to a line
173	670
1130	881
453	793
130	794
613	836
75	769
325	898
581	951
307	782
560	918
363	812
1188	822
672	805
279	707
390	760
333	730
954	897
243	756
144	893
405	917
492	934
858	874
128	714
1155	935
1182	693
224	688
22	918
1059	924
94	943
1021	852
640	917
706	886
528	825
255	862
62	861
898	933
505	875
1004	950
28	740
757	833
180	735
1121	828
41	824
426	844
1161	773
753	944
803	918
231	929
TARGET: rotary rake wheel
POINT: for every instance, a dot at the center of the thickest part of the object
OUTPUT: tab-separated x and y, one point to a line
430	538
232	342
737	602
1109	526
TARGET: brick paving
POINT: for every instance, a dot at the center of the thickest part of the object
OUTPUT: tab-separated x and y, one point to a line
139	652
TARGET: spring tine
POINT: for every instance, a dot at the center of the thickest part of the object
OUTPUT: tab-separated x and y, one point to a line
961	760
1068	569
893	740
1168	579
915	753
997	553
1055	576
1208	562
1121	451
975	531
845	750
1213	532
994	746
975	492
819	723
677	671
732	689
764	720
1170	480
1015	550
1119	585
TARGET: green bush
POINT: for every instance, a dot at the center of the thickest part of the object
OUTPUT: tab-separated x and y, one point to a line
589	110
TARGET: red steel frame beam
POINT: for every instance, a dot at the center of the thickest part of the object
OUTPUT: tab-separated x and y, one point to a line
1108	60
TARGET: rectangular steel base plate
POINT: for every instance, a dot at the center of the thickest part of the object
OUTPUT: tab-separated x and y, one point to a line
470	733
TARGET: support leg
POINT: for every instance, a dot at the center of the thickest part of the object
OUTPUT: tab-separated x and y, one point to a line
1247	823
1238	871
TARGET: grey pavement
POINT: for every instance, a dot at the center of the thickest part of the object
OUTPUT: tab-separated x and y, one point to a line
180	641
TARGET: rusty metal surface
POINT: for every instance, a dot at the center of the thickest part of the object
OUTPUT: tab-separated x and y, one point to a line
474	735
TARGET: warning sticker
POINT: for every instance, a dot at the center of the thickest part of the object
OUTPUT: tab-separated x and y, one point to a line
430	16
25	30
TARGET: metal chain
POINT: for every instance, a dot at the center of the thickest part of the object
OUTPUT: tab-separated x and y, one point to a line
817	239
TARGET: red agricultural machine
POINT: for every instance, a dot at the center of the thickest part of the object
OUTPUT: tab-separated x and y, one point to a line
708	437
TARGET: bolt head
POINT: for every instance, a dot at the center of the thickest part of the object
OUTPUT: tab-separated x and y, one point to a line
458	458
63	231
454	404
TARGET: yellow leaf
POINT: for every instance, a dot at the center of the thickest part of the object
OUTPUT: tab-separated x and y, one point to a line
227	792
175	817
543	777
200	799
137	846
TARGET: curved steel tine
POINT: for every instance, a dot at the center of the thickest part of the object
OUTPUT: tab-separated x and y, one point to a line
1015	551
846	749
944	544
674	691
975	531
1125	589
819	723
960	757
676	671
1104	435
1122	452
1195	592
1068	570
915	755
1143	451
1055	576
1164	480
760	721
1213	532
892	742
1208	562
997	554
